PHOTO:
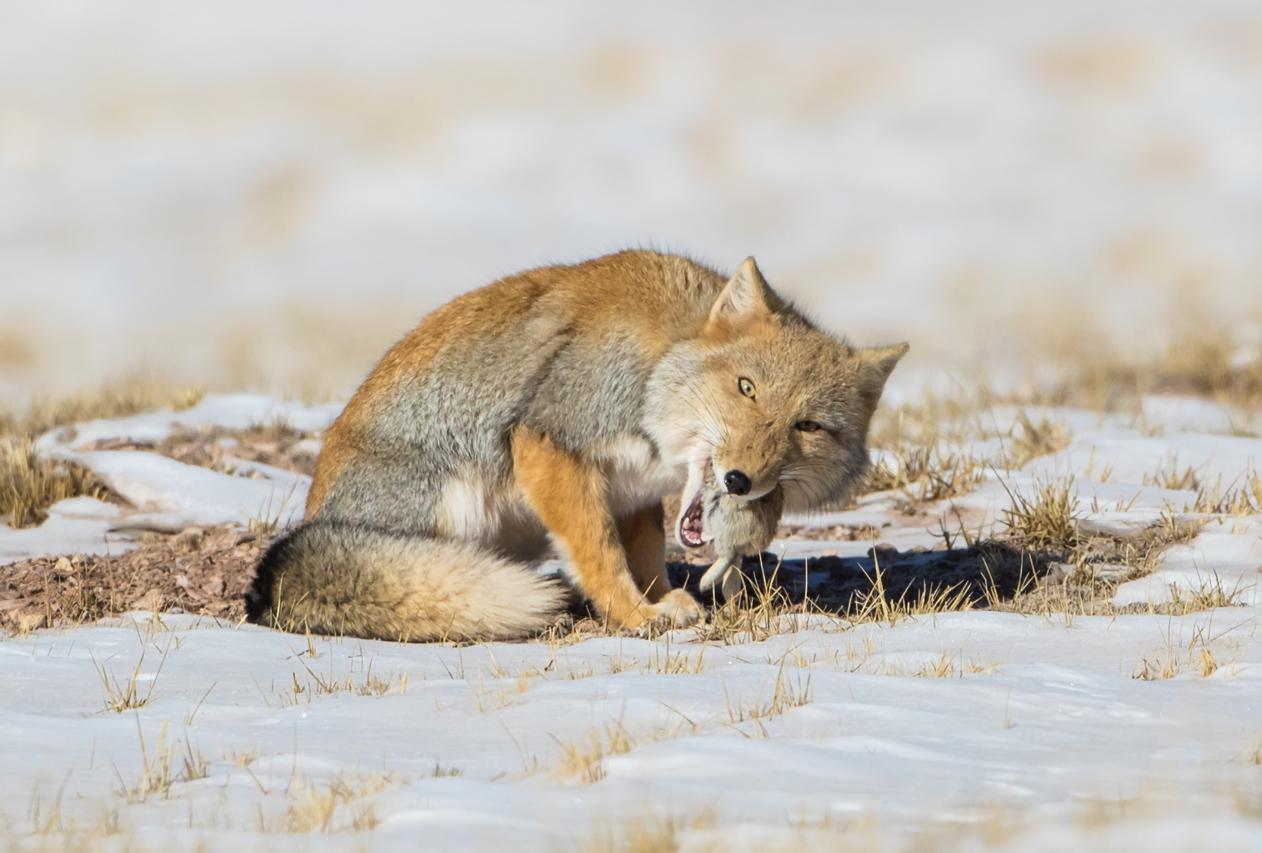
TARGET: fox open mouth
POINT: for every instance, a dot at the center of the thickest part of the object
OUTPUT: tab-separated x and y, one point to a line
692	525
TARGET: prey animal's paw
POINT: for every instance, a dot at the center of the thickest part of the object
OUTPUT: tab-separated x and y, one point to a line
677	609
733	585
714	574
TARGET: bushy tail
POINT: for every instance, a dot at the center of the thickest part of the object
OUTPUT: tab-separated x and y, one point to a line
344	579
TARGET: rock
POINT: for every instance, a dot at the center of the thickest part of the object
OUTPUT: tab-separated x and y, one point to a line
30	621
151	600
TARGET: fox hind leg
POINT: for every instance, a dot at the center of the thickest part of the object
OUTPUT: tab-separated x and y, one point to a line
644	539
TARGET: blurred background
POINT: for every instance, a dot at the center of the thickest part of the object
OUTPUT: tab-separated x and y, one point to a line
265	195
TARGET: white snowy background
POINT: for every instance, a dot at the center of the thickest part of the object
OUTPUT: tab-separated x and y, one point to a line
265	194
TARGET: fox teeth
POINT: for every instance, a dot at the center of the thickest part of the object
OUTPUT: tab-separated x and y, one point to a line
691	524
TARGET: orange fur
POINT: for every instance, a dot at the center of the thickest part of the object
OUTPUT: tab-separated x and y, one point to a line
643	537
568	496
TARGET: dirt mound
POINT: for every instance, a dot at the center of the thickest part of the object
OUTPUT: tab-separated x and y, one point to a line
196	571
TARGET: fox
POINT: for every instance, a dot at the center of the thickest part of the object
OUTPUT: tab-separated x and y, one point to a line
552	411
736	527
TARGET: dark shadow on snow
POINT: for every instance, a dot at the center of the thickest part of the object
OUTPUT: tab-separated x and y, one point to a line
982	575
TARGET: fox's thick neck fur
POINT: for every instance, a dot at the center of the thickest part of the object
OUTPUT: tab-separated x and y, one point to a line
558	407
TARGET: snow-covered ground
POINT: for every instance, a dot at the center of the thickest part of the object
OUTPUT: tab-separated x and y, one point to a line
974	729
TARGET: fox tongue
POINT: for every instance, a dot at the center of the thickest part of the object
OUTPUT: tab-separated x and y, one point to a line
691	525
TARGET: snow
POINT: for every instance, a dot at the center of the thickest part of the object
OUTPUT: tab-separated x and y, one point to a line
74	526
1226	555
166	495
256	190
1038	735
1052	721
222	411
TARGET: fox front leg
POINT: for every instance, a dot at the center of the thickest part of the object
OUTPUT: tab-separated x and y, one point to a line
568	496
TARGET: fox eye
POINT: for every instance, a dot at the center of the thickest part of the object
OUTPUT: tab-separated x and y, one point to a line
746	386
806	426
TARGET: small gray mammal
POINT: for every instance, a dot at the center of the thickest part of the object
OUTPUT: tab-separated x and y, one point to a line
739	527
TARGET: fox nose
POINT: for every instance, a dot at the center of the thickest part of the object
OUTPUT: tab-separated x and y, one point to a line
737	483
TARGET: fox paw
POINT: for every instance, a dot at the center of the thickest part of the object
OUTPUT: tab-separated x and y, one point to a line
677	609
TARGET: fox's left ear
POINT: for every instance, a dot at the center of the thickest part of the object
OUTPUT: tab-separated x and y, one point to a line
875	366
745	296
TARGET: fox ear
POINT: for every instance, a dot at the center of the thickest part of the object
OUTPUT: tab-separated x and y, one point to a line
745	295
875	366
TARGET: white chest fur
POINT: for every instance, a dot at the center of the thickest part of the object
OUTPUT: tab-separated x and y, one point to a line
636	477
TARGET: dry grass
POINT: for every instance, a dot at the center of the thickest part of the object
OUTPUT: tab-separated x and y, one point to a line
943	666
1209	595
1201	362
1241	497
334	806
128	695
763	611
1029	440
584	759
368	684
111	402
926	472
1045	522
156	768
791	689
652	834
1159	667
921	455
30	484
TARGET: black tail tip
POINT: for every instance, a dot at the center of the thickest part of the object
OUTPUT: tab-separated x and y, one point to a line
258	596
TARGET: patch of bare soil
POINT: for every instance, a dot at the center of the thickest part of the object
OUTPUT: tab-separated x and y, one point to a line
196	571
220	450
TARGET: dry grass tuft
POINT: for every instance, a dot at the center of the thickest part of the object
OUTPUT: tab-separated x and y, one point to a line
1242	497
926	472
584	759
1045	522
29	484
156	776
1206	662
113	402
1211	594
1157	668
1203	362
651	834
127	695
1029	440
370	684
789	691
334	807
763	611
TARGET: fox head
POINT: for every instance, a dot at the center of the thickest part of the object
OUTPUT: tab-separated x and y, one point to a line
760	398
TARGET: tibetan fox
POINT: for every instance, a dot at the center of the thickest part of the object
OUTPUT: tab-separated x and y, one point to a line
557	407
